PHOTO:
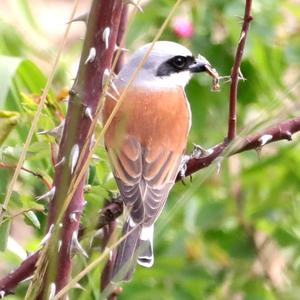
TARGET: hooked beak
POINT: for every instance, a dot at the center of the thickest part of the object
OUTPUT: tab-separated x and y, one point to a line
200	65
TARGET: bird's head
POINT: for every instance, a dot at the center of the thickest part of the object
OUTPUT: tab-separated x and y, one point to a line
168	64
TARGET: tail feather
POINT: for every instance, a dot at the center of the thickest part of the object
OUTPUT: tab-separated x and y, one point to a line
146	257
126	256
137	247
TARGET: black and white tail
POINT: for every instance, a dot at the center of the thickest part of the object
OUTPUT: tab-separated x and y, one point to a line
137	247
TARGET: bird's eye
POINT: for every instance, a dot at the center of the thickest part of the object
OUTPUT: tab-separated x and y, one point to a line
179	62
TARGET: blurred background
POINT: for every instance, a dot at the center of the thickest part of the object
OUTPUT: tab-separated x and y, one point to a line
232	234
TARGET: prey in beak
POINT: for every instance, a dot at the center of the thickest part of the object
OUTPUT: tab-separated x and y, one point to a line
201	64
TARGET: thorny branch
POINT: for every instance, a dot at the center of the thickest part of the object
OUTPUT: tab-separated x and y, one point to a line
282	131
236	73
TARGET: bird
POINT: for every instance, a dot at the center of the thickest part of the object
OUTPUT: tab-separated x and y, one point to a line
146	141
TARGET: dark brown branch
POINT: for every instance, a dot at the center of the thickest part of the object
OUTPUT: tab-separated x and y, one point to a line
281	131
97	54
109	213
9	283
235	73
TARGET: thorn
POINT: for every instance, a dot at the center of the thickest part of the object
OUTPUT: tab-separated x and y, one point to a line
105	78
110	253
96	157
60	225
75	245
117	48
60	162
2	294
88	113
200	152
265	139
183	166
91	56
72	217
49	195
52	291
55	132
242	36
287	135
218	161
73	157
134	3
59	245
241	76
105	36
47	235
81	18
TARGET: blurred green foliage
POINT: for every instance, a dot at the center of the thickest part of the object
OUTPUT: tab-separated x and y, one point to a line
233	235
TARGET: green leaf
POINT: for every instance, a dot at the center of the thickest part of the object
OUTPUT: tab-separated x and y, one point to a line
8	120
31	216
4	233
8	67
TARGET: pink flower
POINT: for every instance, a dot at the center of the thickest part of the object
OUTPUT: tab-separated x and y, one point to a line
182	27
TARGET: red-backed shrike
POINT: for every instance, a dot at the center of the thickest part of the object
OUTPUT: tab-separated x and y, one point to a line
146	142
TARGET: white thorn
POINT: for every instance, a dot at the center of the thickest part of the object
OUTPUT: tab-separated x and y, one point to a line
241	76
218	161
88	113
136	4
60	162
74	155
76	247
110	253
72	217
199	151
117	48
264	139
2	294
59	245
91	56
56	131
105	36
49	195
81	18
242	36
60	225
96	157
47	236
105	78
52	291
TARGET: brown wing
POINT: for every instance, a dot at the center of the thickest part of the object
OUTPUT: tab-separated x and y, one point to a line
145	144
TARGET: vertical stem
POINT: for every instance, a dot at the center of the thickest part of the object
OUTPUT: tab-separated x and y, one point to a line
96	56
236	71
